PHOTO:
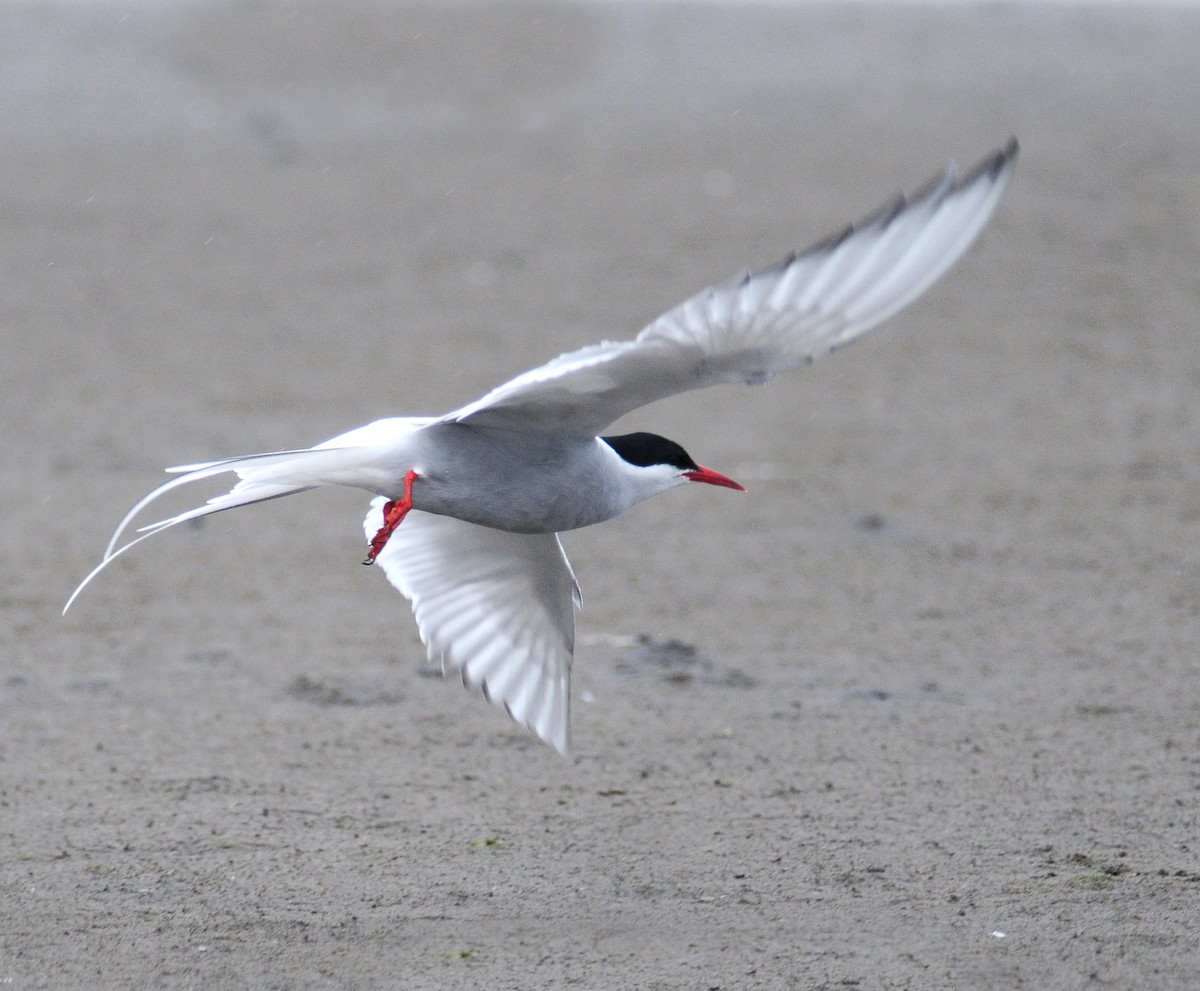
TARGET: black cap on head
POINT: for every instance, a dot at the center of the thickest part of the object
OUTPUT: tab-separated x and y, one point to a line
644	450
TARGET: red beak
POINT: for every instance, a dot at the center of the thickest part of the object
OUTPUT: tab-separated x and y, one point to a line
713	478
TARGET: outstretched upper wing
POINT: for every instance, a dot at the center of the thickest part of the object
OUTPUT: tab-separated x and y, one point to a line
496	607
765	322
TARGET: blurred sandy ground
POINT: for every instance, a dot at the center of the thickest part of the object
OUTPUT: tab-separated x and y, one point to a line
938	728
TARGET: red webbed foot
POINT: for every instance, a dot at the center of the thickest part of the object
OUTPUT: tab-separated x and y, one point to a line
393	515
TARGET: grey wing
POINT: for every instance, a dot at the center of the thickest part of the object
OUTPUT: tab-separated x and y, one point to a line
765	322
497	608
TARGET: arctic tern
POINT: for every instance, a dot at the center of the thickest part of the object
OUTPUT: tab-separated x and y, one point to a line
468	506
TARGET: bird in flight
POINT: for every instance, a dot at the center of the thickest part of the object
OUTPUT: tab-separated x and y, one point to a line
468	506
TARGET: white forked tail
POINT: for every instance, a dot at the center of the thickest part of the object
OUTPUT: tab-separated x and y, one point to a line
351	459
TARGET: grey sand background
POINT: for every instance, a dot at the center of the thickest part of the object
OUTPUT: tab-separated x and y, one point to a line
931	720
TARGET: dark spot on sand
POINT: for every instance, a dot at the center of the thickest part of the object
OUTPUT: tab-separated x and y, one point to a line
679	663
342	691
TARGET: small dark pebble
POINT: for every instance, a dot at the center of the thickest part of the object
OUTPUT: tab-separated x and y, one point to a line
869	695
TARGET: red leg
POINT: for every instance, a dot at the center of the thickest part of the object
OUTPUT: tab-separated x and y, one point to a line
393	515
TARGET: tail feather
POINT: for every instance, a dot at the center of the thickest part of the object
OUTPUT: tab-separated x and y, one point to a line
245	467
261	477
356	458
